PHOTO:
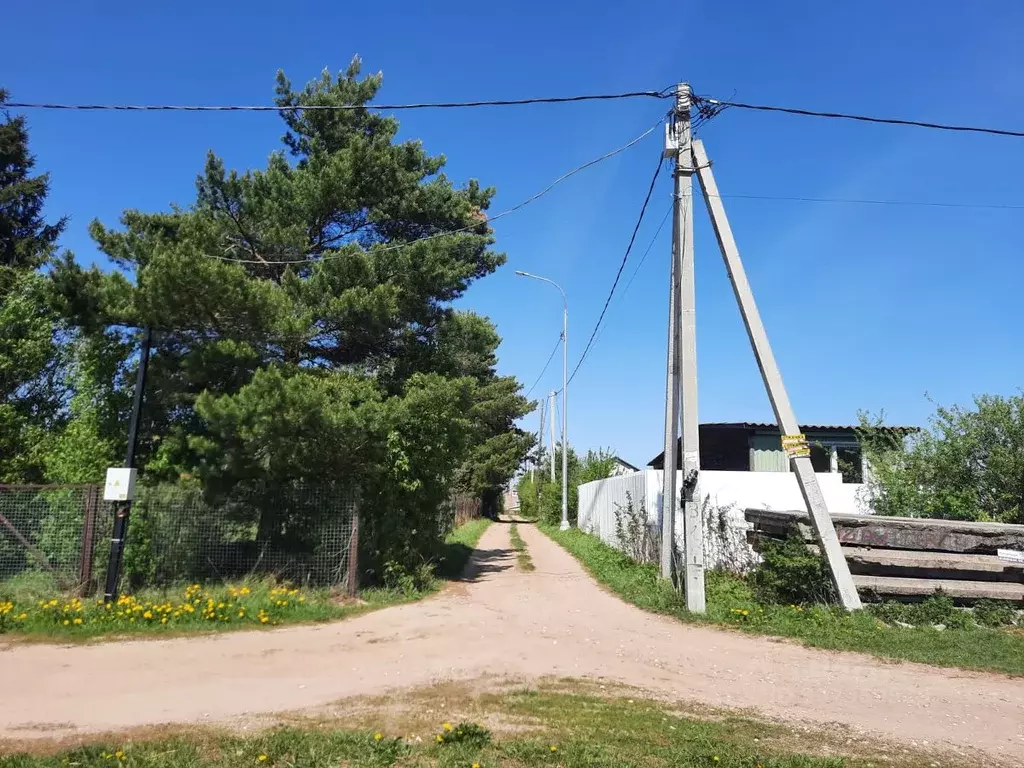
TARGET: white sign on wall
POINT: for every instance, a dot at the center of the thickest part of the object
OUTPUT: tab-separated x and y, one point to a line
120	485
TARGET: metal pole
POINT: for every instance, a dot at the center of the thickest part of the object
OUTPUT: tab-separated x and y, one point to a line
124	508
540	444
793	441
551	409
565	415
689	493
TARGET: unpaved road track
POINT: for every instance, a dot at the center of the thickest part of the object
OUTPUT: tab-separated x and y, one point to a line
501	623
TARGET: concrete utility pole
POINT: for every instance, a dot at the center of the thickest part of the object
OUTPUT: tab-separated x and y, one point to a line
668	497
689	494
681	373
540	444
551	408
794	443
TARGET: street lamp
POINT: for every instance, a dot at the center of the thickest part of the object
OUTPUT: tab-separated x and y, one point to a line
565	364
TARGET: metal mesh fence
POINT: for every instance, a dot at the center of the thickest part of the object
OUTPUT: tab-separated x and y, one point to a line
304	534
44	531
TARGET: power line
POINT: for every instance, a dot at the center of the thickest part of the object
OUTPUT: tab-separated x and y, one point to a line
716	105
545	368
643	258
625	257
862	201
331	107
513	209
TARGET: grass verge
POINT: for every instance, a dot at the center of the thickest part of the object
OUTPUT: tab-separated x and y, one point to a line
459	546
564	723
523	559
29	610
731	603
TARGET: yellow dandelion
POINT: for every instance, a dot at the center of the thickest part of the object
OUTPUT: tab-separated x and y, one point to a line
439	738
378	736
66	622
447	727
554	748
262	758
77	620
147	615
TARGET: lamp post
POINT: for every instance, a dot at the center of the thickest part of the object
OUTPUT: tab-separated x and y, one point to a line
565	364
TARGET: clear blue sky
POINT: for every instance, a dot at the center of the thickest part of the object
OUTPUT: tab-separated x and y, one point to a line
867	306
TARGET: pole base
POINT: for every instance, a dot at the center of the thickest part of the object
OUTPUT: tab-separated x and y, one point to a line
564	526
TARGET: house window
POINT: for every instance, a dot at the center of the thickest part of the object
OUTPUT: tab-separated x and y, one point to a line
821	458
850	464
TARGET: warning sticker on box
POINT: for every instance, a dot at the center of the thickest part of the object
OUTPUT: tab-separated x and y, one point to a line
795	446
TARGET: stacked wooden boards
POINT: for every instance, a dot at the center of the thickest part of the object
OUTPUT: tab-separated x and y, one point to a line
908	559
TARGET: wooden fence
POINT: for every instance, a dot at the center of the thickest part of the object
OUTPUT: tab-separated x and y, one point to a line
908	559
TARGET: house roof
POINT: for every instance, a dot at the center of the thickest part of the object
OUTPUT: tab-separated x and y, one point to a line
625	463
749	425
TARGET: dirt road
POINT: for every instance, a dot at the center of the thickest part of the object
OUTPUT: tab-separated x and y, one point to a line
503	623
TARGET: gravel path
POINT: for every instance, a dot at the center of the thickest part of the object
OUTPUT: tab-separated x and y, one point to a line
503	623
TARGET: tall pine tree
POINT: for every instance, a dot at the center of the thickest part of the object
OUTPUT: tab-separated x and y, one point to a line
30	376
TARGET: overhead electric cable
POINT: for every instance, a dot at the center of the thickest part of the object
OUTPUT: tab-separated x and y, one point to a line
331	107
467	228
544	369
618	274
719	104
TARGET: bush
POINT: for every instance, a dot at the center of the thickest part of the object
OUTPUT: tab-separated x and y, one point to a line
633	531
994	613
937	609
791	573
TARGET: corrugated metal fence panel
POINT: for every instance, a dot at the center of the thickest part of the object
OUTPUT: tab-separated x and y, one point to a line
766	454
600	500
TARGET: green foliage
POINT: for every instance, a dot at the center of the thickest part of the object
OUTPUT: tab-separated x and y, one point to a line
790	573
968	465
304	334
595	465
470	734
30	360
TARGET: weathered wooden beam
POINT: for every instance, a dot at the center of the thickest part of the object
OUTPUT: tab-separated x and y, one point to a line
931	565
906	533
965	592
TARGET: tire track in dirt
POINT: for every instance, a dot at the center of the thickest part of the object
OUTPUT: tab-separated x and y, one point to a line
501	623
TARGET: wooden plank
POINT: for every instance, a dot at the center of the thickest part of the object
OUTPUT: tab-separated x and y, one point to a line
931	565
906	533
920	589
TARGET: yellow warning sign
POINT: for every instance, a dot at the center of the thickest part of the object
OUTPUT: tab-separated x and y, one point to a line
795	446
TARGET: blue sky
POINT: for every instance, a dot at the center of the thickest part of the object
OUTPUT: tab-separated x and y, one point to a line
867	306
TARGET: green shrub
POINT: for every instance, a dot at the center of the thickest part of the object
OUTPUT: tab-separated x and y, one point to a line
994	613
937	609
790	573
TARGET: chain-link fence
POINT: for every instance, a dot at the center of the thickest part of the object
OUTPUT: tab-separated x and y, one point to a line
304	534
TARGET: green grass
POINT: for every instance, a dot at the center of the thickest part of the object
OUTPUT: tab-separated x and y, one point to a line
523	559
459	546
31	608
732	604
547	728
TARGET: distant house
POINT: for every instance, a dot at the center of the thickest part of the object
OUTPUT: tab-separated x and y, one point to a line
622	467
745	446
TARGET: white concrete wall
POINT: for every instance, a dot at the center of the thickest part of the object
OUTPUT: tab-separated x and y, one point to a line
727	495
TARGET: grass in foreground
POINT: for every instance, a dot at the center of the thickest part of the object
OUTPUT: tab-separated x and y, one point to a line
523	559
31	610
731	603
553	726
